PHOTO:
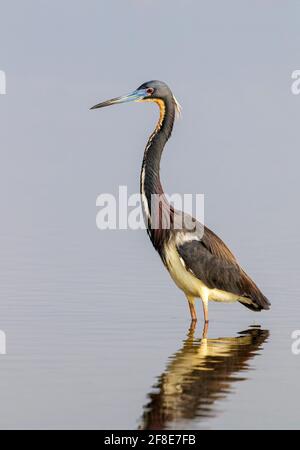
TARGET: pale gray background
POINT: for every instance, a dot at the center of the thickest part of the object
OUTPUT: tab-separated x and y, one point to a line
91	317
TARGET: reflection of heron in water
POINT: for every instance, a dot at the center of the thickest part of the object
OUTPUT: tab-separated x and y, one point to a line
200	373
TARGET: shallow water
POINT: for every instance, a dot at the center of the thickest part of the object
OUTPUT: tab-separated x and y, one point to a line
198	375
87	351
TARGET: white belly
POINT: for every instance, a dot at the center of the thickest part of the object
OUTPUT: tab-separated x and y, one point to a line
189	283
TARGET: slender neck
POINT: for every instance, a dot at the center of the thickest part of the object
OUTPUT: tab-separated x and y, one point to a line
150	174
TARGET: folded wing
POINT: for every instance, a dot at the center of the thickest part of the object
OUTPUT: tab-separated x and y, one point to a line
210	260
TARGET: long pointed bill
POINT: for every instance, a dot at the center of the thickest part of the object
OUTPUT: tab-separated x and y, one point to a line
134	97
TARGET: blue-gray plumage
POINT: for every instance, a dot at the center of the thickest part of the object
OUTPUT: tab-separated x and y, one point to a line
198	261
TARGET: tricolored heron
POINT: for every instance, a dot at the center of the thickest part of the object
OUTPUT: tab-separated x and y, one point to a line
199	262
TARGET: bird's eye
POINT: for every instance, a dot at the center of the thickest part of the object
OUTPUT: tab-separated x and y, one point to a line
150	91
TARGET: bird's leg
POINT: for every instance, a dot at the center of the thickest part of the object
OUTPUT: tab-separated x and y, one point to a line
191	302
204	299
205	330
191	332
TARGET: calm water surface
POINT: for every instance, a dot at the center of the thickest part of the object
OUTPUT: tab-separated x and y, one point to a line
93	342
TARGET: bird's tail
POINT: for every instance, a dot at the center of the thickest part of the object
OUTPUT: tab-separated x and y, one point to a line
253	298
254	306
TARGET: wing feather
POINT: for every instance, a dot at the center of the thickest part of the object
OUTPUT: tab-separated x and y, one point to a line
210	260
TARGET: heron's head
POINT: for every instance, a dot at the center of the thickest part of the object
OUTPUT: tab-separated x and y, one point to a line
155	91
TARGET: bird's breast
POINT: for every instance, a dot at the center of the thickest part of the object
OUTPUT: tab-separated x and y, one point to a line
183	278
188	282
